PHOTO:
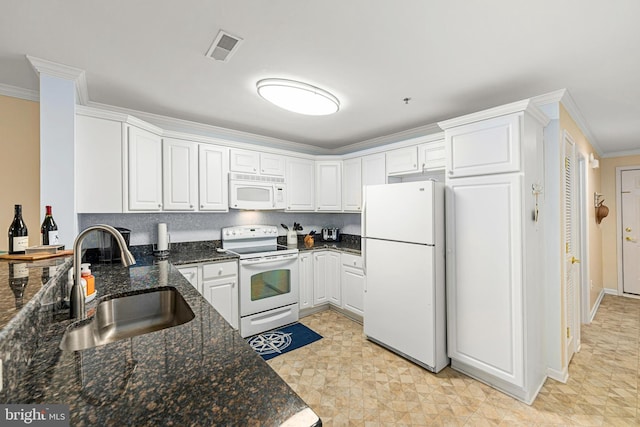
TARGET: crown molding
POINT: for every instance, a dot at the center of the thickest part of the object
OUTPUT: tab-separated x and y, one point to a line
432	131
180	125
18	92
563	97
50	68
621	154
514	107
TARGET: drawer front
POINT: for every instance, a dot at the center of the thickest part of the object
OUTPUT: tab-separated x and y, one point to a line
352	260
219	269
486	147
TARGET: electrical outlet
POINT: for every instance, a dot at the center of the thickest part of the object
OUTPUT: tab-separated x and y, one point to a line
591	282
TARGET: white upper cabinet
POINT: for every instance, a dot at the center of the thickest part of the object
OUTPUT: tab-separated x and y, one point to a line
213	178
432	156
352	185
248	161
98	155
402	160
244	161
272	164
329	185
484	147
144	180
300	184
374	170
180	175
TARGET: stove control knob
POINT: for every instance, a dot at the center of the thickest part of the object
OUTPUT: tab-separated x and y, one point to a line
234	232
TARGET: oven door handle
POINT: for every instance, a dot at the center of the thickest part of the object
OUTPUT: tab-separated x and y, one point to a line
277	260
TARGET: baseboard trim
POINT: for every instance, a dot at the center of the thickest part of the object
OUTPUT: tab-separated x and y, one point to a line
596	306
561	376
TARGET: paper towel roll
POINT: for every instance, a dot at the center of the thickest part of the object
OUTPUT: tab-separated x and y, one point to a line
163	241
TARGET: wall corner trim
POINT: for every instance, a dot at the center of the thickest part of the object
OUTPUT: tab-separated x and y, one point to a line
78	76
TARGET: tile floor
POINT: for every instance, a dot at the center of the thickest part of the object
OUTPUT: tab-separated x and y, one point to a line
349	381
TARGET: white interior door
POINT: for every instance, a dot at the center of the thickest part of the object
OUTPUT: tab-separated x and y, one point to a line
572	247
630	231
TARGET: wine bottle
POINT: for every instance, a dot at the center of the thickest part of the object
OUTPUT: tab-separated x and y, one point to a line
18	237
49	229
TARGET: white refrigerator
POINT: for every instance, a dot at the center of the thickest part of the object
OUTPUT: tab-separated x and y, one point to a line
403	250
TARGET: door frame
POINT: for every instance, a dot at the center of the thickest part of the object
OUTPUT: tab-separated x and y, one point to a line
583	203
619	170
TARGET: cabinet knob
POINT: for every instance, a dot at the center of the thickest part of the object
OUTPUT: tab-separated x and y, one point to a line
219	272
159	205
201	206
191	206
354	263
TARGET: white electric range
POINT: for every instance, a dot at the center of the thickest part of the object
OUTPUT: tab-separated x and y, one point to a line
269	285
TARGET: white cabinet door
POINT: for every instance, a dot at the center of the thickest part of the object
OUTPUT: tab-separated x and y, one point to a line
353	284
272	164
402	160
320	277
144	170
484	147
484	275
191	273
213	178
305	271
179	175
352	185
300	184
432	156
329	185
374	170
98	165
334	284
244	161
220	288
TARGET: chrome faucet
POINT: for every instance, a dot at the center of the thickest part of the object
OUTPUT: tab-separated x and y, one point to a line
77	294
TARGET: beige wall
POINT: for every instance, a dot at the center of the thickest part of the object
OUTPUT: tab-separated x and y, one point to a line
20	171
609	224
594	235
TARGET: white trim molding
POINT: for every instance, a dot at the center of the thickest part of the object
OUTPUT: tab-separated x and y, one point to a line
562	376
564	97
62	71
20	93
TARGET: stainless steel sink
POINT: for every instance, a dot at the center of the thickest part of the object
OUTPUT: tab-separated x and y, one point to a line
129	316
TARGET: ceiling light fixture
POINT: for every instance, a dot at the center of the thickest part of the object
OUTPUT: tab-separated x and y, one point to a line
298	97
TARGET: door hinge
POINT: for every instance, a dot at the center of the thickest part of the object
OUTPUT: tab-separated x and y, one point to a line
566	248
568	332
566	162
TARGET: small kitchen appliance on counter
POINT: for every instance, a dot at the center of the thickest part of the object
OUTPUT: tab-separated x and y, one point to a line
330	234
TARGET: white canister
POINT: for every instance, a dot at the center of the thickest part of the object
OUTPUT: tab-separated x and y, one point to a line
292	238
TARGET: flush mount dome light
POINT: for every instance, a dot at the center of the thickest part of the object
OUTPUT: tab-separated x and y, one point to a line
298	97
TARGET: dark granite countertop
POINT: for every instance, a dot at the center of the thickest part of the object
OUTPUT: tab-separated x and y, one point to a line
348	243
199	373
20	281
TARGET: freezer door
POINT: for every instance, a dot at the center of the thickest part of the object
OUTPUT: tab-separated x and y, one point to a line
401	212
399	298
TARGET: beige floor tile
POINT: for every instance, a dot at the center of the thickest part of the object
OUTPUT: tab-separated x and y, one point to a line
350	381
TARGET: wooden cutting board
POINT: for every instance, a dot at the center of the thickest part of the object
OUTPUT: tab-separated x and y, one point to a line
35	256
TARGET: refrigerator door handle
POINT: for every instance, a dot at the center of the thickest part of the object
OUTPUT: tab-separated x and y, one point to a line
363	239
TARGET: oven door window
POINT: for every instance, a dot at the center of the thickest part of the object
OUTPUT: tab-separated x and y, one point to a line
254	194
270	284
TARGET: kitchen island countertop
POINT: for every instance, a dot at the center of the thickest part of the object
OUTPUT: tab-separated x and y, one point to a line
198	373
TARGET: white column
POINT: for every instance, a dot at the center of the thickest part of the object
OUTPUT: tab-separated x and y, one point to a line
57	144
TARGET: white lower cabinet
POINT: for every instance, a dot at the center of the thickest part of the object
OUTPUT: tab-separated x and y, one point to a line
218	284
192	274
353	284
326	278
305	271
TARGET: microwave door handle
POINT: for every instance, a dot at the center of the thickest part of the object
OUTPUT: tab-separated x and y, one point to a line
273	199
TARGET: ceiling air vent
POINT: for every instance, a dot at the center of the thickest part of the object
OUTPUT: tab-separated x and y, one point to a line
224	46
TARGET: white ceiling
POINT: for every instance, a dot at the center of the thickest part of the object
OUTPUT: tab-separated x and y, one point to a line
451	57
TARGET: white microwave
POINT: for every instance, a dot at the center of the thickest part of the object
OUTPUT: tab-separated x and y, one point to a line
256	192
